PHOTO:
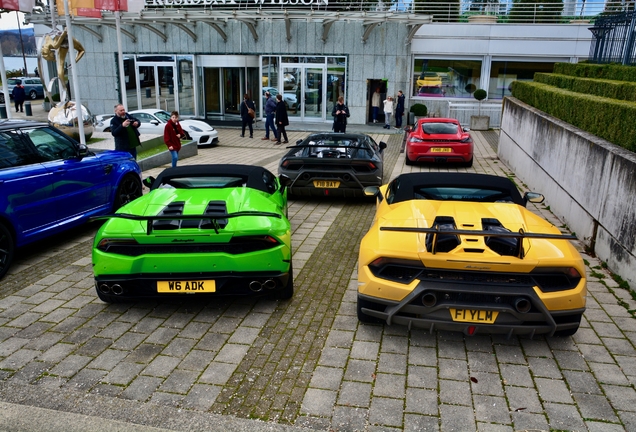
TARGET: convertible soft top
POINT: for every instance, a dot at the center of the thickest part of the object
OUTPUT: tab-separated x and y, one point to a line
256	177
407	184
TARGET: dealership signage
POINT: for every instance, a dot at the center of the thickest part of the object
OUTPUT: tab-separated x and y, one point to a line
151	3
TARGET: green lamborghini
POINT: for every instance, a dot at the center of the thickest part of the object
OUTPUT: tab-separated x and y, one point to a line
201	230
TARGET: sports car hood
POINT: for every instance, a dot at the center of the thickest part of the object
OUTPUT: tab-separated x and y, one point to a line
195	202
472	250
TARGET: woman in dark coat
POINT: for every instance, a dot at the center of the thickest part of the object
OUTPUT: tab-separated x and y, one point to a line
281	118
245	115
399	110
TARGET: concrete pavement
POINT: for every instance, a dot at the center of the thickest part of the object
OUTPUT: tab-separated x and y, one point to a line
269	365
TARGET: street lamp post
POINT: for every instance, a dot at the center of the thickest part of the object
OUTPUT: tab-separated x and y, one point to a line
17	15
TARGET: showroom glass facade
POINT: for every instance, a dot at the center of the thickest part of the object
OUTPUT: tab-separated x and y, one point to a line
459	78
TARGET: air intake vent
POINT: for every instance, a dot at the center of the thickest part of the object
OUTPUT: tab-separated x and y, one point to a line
506	246
214	208
445	242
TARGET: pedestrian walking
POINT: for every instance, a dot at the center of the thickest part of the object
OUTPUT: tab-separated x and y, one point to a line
172	136
375	104
19	95
248	112
388	111
270	112
281	118
124	128
399	110
340	114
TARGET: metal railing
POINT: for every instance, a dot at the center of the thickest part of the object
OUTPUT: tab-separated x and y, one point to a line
614	39
507	11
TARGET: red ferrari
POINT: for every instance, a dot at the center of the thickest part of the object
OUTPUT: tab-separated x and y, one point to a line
439	140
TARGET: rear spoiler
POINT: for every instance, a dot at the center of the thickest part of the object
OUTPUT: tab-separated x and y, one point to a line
519	235
213	218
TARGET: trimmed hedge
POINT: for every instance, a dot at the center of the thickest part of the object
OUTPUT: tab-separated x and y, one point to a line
607	118
621	90
605	71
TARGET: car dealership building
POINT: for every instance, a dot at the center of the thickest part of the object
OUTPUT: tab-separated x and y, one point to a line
200	56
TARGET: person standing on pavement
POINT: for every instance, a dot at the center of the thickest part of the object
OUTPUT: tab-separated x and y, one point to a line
281	118
399	110
270	112
388	111
19	95
124	128
172	136
246	117
375	103
340	113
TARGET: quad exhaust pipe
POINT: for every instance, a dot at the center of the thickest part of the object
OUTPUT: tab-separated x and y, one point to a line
429	299
522	305
115	289
258	286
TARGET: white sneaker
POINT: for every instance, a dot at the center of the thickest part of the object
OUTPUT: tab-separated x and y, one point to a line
375	121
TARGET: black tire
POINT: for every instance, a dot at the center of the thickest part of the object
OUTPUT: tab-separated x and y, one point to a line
129	189
469	163
287	292
408	161
366	318
7	250
33	94
107	129
1	98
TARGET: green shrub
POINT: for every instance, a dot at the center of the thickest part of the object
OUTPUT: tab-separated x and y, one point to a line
622	90
480	94
589	70
419	109
606	118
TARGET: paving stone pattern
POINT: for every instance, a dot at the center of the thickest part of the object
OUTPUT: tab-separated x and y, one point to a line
304	362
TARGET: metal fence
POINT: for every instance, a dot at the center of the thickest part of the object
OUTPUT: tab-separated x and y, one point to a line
462	111
505	11
614	39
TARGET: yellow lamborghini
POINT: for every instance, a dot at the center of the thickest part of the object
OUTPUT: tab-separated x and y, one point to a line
460	251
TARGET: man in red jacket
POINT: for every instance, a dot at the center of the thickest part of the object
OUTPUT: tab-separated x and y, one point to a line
172	136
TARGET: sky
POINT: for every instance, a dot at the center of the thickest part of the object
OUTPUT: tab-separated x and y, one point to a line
8	21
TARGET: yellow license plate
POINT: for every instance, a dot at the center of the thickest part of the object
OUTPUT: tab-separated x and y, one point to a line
441	150
186	287
326	184
474	316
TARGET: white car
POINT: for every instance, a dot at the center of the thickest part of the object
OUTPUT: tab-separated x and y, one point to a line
153	121
288	98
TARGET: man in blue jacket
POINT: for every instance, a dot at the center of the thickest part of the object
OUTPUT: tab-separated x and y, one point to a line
19	95
124	127
270	111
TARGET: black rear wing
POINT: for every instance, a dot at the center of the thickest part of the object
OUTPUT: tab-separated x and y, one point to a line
212	218
436	232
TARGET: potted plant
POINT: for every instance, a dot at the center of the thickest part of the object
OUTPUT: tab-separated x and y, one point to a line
480	122
418	110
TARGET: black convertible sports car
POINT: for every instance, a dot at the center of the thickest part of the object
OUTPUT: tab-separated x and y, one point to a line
333	164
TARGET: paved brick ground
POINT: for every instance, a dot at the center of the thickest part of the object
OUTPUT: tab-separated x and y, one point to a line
305	362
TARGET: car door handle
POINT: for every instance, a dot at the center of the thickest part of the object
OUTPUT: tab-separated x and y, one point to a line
108	168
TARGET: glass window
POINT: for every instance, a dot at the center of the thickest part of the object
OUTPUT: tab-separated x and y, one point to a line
503	73
50	144
185	82
269	79
445	78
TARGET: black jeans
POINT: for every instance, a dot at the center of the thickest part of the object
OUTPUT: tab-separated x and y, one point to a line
247	123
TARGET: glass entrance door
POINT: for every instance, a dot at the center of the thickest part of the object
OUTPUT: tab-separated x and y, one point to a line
303	91
156	86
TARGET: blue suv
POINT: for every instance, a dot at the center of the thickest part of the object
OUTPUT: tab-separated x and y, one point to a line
50	183
33	87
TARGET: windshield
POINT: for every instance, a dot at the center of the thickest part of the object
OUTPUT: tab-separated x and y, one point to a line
195	182
462	194
163	116
333	147
440	128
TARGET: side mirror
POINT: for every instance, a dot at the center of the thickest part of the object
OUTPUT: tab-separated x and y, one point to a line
284	181
382	145
82	150
533	197
371	191
466	129
148	181
299	141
